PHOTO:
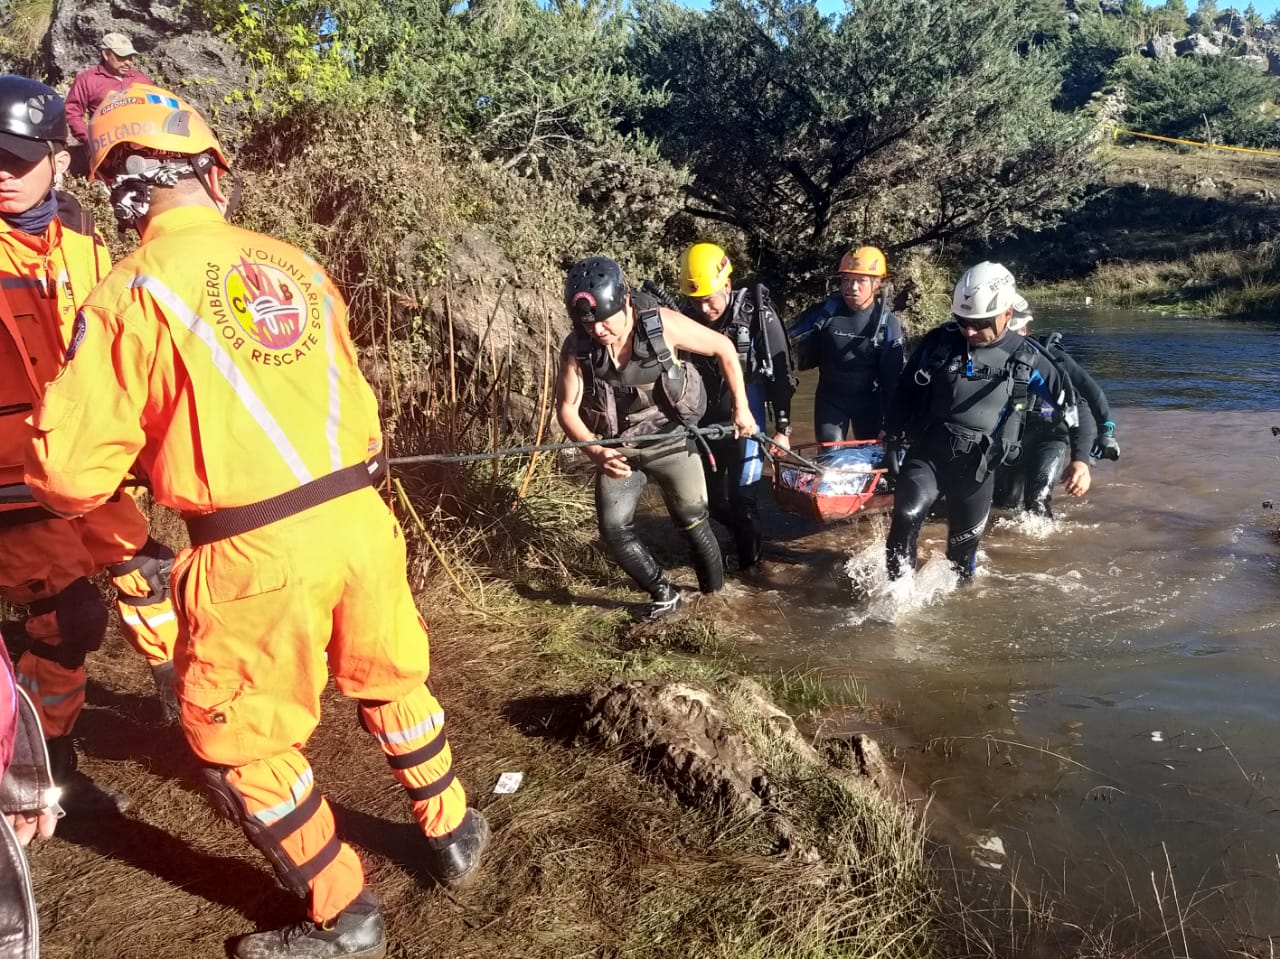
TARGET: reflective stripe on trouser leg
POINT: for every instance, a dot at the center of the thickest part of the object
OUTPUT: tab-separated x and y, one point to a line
56	690
283	809
153	629
410	731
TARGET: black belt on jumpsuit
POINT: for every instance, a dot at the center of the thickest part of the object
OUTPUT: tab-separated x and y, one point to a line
206	528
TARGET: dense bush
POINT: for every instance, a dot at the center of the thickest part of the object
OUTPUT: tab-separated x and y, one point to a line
1201	98
902	122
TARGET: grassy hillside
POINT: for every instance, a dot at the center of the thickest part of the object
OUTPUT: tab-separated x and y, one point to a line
1184	230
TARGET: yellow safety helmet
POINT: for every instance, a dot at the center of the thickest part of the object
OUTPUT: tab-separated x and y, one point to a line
152	119
704	270
865	260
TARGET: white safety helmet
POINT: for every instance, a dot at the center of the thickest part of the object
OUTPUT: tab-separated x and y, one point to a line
986	290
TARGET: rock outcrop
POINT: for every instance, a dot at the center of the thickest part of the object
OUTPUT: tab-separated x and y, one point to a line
173	49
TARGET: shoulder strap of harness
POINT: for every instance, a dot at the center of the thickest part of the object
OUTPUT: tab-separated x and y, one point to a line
942	350
582	347
761	348
882	323
650	324
1008	435
602	407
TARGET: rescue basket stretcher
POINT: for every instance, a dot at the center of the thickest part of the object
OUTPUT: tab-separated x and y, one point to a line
833	481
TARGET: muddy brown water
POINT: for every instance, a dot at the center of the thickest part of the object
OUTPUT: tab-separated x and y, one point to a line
1098	714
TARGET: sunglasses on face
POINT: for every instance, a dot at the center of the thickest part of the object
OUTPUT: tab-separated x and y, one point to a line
969	323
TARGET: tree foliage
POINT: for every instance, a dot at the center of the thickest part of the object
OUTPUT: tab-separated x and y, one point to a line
540	89
23	25
1096	46
1182	96
1169	18
903	122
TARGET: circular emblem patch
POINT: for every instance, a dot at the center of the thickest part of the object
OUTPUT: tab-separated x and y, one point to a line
267	304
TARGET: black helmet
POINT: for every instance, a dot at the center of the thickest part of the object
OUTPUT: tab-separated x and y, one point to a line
32	116
594	290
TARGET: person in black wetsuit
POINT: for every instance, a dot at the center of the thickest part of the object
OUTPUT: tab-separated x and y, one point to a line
960	402
747	317
1028	484
621	376
856	343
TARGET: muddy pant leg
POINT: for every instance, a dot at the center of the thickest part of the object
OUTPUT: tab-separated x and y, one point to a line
915	493
285	817
968	508
616	500
1044	468
734	498
259	612
679	475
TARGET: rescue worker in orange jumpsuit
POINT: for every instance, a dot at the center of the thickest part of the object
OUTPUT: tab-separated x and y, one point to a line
221	361
48	265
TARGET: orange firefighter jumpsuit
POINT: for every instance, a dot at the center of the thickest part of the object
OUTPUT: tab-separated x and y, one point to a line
221	360
46	561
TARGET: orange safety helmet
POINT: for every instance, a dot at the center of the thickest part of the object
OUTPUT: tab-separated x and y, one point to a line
865	260
152	119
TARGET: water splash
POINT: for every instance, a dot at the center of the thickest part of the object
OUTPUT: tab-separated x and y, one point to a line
888	601
1028	524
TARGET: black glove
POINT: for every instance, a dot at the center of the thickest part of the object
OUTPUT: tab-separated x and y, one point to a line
1105	447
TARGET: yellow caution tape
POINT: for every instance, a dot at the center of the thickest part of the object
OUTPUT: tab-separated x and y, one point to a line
1193	143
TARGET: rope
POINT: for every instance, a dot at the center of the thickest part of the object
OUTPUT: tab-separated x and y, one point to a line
718	431
16	493
788	454
1193	143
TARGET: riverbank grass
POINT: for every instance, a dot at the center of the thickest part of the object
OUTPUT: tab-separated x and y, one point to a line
1191	231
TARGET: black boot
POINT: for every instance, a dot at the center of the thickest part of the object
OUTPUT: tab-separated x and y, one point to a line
452	859
166	679
667	600
357	931
80	794
708	562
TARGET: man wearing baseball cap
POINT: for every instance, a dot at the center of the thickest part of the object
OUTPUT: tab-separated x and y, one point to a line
114	72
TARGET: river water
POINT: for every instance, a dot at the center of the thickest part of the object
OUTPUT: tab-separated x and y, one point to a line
1098	714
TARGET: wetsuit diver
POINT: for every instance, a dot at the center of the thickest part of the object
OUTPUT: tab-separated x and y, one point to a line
856	343
1028	484
747	317
960	402
621	376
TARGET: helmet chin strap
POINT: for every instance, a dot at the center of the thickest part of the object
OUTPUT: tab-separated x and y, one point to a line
204	168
